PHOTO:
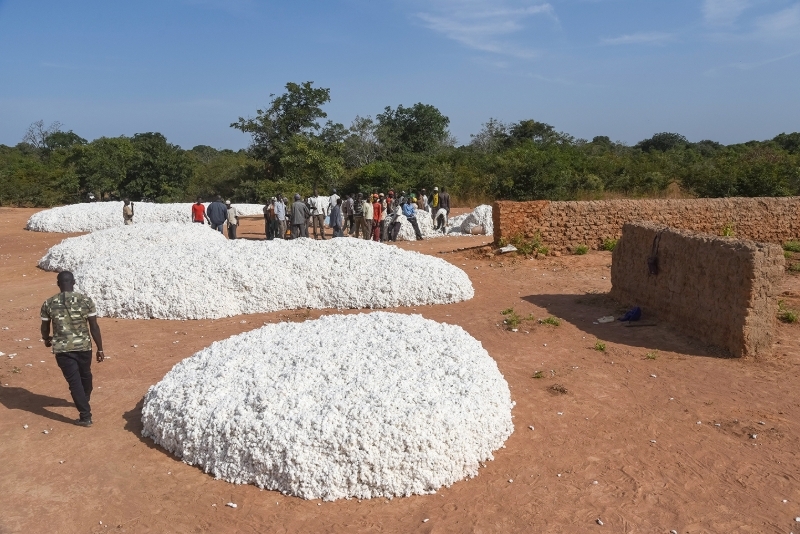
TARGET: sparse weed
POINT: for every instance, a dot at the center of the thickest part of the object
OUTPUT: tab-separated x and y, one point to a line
16	370
787	254
558	389
555	321
794	267
792	246
609	244
729	230
528	247
512	319
599	346
538	374
652	355
580	250
787	315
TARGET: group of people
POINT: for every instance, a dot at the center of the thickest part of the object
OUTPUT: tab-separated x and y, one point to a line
218	215
372	216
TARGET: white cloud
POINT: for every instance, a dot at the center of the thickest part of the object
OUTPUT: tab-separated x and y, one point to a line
785	23
724	12
640	38
484	25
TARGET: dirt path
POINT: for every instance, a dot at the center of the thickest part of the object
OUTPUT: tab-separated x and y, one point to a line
646	445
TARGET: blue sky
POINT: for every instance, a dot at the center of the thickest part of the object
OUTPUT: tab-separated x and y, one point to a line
727	70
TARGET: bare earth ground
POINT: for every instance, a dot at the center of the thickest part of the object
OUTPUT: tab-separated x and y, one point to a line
667	440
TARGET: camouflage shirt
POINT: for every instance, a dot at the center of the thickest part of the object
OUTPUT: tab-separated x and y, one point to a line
69	313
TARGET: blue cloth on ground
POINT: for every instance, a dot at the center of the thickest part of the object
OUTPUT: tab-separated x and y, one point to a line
634	314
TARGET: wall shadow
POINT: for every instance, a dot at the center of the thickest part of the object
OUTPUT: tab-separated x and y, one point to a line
584	310
15	398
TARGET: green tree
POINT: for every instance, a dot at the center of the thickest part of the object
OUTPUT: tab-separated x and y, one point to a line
159	170
102	165
419	129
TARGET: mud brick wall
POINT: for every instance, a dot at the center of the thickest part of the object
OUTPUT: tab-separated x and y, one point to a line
722	291
563	225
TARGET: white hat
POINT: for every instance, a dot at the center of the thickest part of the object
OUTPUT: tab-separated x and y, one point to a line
435	188
228	202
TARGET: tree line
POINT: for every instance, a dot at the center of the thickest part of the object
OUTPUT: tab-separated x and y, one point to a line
403	148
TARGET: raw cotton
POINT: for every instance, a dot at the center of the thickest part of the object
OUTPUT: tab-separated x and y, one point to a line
101	215
71	252
346	406
136	272
460	225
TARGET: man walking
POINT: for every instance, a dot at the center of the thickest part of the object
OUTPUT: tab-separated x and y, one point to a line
127	212
68	312
199	212
233	219
299	218
217	214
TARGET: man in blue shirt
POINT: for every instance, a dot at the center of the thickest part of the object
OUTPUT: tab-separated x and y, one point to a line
217	214
280	215
410	211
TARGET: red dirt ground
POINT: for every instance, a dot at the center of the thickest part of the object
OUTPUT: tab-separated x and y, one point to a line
646	445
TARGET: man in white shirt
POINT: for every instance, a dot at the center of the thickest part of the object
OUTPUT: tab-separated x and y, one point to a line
319	208
332	200
233	219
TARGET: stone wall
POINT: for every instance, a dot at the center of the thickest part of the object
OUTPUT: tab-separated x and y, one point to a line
722	291
563	225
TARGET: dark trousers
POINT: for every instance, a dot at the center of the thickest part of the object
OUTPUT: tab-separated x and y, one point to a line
218	227
77	369
318	221
231	231
394	229
413	221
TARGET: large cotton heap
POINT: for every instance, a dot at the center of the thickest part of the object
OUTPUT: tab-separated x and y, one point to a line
347	406
138	272
464	224
70	253
101	215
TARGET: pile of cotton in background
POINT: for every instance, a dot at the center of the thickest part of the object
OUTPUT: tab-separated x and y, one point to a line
346	406
71	252
132	273
93	216
460	225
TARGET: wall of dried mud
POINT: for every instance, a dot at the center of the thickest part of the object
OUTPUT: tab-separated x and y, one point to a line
722	291
563	225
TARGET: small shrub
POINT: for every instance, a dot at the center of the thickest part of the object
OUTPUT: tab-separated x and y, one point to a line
609	244
558	389
512	320
792	246
787	315
599	346
544	251
538	374
580	250
794	267
554	321
16	370
729	230
787	254
652	355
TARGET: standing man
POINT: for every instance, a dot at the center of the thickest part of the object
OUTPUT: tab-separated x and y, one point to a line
377	217
434	202
347	213
337	219
410	211
280	216
358	215
69	313
319	208
217	214
369	218
423	200
270	221
299	218
332	201
233	219
127	212
199	212
444	201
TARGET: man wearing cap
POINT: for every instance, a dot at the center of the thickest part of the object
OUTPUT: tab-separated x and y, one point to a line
69	312
233	219
434	201
299	218
127	212
217	214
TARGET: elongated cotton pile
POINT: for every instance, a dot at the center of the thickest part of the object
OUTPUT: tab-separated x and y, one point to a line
101	215
131	273
460	225
70	253
368	405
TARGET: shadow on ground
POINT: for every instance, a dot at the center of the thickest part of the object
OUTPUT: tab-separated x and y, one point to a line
583	311
15	398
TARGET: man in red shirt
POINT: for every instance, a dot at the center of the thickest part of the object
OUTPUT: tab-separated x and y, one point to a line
377	217
199	212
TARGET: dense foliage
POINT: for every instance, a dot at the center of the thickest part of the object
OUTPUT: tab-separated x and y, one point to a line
404	148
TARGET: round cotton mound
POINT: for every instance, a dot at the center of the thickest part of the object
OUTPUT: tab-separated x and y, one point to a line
101	215
133	273
73	251
368	405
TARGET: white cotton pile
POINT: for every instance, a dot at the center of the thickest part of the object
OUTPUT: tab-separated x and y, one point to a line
70	253
424	222
137	272
346	406
101	215
463	224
